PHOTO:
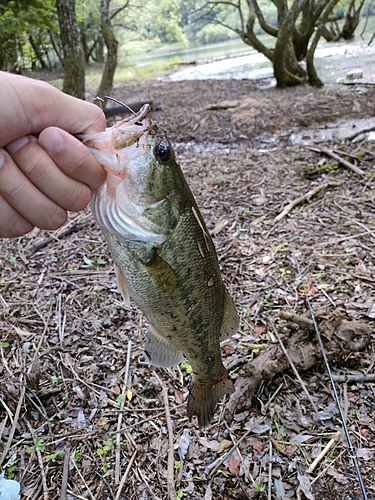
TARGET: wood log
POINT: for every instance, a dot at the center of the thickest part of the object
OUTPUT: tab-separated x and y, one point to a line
340	337
135	106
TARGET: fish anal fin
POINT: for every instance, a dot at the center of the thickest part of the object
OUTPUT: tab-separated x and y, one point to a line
123	287
160	351
229	325
204	397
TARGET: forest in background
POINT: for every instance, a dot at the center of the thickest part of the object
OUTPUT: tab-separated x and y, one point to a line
69	34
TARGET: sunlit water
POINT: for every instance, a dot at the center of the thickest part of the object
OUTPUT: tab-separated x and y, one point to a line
333	61
233	59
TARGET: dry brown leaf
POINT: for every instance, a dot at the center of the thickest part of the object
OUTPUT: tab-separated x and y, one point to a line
223	445
234	465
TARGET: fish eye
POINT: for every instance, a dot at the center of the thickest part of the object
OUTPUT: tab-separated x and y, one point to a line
163	152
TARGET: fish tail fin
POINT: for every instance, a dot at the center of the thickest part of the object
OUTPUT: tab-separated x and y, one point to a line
205	395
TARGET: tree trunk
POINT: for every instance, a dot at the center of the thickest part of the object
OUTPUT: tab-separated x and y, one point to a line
56	48
84	42
286	69
248	36
99	50
37	51
351	20
314	80
106	84
74	64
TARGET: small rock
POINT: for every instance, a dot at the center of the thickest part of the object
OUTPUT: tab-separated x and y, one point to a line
354	74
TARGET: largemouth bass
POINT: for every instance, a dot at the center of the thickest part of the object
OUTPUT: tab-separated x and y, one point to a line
164	257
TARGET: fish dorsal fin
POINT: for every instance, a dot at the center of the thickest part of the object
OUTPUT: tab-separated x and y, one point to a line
229	325
123	287
160	351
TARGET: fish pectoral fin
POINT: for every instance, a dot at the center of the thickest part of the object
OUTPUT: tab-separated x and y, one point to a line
229	325
160	351
204	395
160	272
123	287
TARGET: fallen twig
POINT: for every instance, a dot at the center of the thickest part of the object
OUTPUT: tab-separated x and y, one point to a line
124	477
170	468
51	239
328	466
288	208
40	462
293	367
338	158
212	468
303	351
119	421
349	155
298	319
270	471
65	474
15	421
88	490
334	440
360	378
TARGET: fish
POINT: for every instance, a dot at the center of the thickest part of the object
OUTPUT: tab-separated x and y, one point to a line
164	257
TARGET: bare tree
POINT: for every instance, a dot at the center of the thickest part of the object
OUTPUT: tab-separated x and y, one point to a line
74	64
297	23
351	19
111	43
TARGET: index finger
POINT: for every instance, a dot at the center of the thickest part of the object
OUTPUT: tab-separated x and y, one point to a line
28	106
72	157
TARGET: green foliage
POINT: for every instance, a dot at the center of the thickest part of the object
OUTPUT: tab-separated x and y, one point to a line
11	470
52	457
40	444
211	33
120	398
99	261
187	367
160	21
18	20
106	454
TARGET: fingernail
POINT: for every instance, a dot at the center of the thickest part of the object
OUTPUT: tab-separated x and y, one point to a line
14	146
52	140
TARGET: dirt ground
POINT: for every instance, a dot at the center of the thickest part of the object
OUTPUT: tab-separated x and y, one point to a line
84	416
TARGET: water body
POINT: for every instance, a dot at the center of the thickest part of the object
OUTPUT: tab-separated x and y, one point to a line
332	60
203	54
335	131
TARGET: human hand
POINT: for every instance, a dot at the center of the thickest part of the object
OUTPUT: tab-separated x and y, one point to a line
41	178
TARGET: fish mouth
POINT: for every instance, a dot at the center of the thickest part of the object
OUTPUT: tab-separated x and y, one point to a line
138	117
122	143
123	150
129	131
